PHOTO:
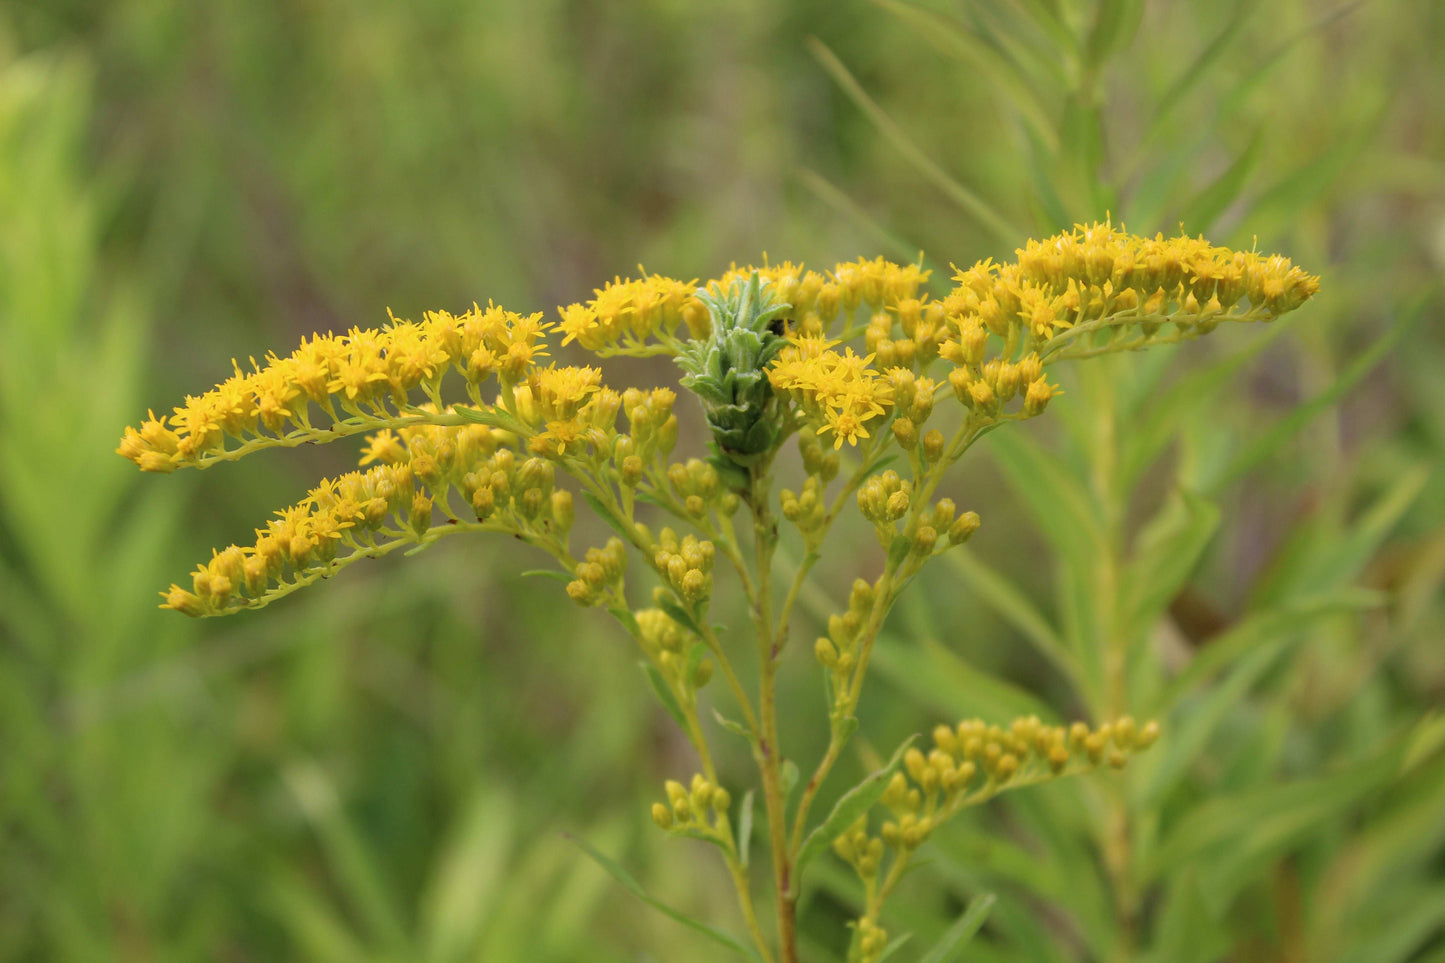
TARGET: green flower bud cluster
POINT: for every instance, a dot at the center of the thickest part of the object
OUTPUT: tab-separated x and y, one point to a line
599	574
913	398
973	760
675	651
699	487
727	370
687	809
838	650
652	429
872	940
987	389
808	510
685	565
525	494
883	500
818	461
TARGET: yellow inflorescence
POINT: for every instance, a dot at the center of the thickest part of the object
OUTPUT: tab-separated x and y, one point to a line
356	374
1089	291
973	761
624	314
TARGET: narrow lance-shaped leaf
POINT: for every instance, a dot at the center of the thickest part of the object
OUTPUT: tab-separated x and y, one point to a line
854	803
630	883
958	935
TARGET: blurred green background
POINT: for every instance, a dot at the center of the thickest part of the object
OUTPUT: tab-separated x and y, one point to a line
382	768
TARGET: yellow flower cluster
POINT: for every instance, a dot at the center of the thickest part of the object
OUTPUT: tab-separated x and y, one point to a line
839	392
1096	271
624	314
415	471
971	762
302	542
355	374
817	300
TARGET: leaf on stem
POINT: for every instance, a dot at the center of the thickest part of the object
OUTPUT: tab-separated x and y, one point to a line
962	931
664	694
635	888
854	803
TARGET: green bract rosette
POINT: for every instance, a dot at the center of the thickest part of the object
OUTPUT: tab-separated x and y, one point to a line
728	369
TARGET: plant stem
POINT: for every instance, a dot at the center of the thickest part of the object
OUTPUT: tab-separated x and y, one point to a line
770	757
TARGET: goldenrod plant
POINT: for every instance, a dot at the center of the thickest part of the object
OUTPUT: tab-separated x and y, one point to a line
471	426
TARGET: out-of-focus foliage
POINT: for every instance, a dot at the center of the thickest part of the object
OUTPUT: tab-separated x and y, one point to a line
380	770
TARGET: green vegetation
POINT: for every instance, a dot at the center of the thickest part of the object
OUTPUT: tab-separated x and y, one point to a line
382	769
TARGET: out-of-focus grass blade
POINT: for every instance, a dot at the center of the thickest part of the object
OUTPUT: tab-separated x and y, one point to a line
1167	552
468	877
1271	441
961	932
630	883
1154	425
1282	203
1325	559
1409	927
1186	740
1205	207
980	209
316	931
352	867
1004	597
1050	19
1061	507
930	672
1053	213
1115	24
1260	629
1251	81
829	194
957	41
1199	68
1234	828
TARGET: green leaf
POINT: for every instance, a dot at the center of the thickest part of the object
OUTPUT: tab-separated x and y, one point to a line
893	946
492	417
1336	558
664	694
546	573
961	932
956	40
1256	630
608	516
966	199
1061	506
898	551
931	672
1168	551
1004	597
1204	209
854	803
732	725
470	877
1198	69
635	888
353	867
789	777
745	828
680	615
1114	27
628	620
1272	441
